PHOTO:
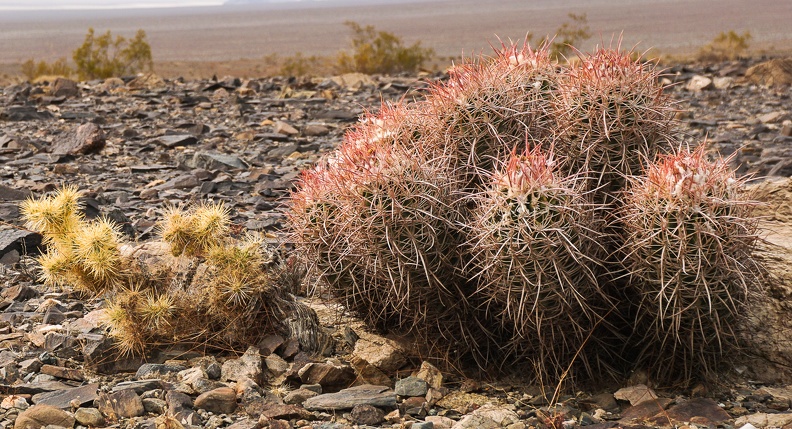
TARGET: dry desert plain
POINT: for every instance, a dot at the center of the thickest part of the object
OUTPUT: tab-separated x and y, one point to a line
234	39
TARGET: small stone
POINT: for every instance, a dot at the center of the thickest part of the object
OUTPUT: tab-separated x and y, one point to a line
276	365
39	416
217	161
90	417
424	425
53	316
635	394
248	365
185	181
699	83
430	374
155	405
14	401
440	422
156	370
299	396
61	372
367	415
270	343
286	412
411	386
499	414
315	130
370	374
178	401
214	371
286	129
87	138
171	141
722	82
696	407
763	420
219	401
772	117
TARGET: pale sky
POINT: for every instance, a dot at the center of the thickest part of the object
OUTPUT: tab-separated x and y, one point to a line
100	4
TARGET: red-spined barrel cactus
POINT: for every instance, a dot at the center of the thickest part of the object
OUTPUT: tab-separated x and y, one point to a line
688	241
613	117
489	107
377	220
535	251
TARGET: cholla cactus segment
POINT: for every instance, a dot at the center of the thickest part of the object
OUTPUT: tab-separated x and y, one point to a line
96	248
56	217
193	232
534	249
613	117
689	238
56	267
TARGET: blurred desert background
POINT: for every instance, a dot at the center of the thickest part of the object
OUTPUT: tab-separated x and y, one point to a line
249	39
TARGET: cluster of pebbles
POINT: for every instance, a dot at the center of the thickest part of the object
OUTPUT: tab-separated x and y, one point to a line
136	145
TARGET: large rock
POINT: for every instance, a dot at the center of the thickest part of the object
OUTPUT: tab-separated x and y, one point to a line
765	420
247	366
476	422
331	376
411	386
378	396
65	398
775	72
62	87
124	403
8	193
90	417
39	416
219	401
87	138
382	354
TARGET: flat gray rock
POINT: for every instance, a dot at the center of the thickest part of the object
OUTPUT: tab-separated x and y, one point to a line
63	398
378	396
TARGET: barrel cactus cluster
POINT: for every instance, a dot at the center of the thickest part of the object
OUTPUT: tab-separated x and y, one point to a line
531	213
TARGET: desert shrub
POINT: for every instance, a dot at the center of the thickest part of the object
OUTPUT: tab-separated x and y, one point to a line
383	52
725	46
32	69
300	65
569	34
103	56
432	218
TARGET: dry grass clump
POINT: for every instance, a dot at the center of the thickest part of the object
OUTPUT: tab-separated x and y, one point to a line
430	218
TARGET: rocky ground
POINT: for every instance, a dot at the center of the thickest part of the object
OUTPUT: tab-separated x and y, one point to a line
136	145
